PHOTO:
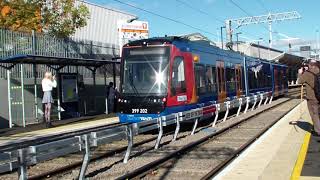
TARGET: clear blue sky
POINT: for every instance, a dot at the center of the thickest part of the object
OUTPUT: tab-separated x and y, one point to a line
208	14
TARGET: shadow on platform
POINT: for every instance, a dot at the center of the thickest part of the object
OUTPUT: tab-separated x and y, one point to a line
306	126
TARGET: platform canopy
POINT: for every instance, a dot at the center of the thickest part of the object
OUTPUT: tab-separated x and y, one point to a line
60	61
289	59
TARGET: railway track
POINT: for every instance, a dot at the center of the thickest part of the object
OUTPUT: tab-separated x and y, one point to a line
214	151
112	157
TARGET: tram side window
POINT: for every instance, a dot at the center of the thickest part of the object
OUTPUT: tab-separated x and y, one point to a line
230	78
178	83
285	78
279	77
221	79
200	79
269	79
211	79
252	79
261	79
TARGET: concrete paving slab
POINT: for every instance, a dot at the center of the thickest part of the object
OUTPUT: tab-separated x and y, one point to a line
16	138
274	154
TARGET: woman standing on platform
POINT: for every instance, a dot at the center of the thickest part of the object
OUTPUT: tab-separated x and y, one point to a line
48	83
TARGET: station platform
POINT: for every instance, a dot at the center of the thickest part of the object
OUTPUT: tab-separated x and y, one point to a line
285	151
42	132
55	123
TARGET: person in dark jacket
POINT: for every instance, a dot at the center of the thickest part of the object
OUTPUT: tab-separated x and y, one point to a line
307	77
111	97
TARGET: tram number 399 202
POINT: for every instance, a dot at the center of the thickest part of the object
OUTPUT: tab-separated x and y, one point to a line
141	111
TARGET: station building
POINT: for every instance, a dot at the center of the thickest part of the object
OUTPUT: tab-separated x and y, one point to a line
84	64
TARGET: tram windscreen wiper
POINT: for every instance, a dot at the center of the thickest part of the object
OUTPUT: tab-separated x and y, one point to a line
132	84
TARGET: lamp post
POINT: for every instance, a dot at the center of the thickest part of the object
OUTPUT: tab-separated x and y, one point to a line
260	39
318	46
221	36
132	19
237	34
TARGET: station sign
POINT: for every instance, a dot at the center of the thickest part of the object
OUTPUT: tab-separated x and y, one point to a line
305	48
130	31
69	88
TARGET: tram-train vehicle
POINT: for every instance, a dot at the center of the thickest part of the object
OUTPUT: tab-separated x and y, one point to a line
161	76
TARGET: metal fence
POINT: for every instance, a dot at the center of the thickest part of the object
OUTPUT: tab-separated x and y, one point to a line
20	159
20	43
24	80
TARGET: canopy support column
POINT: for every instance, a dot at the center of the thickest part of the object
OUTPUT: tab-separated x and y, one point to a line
35	76
22	95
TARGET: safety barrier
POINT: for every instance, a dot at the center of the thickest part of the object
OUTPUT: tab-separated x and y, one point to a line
21	158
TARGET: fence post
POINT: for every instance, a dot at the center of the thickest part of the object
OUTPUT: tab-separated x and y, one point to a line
247	104
22	171
86	158
271	99
160	131
177	116
266	101
255	102
130	142
195	126
34	43
261	99
216	115
227	112
240	105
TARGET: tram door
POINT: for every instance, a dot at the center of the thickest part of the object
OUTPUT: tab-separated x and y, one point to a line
282	81
222	94
276	81
239	87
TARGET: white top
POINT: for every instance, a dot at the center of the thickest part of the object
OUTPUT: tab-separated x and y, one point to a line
47	84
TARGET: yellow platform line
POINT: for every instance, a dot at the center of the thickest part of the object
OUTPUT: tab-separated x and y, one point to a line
301	158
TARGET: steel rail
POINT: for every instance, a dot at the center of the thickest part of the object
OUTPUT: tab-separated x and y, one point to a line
79	163
108	154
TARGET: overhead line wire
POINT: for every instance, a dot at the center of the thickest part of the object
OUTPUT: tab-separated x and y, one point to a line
243	10
205	13
165	17
199	10
263	6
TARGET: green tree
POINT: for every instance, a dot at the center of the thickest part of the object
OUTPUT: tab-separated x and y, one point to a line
60	18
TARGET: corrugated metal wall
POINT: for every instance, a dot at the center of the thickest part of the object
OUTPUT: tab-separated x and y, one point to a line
102	25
